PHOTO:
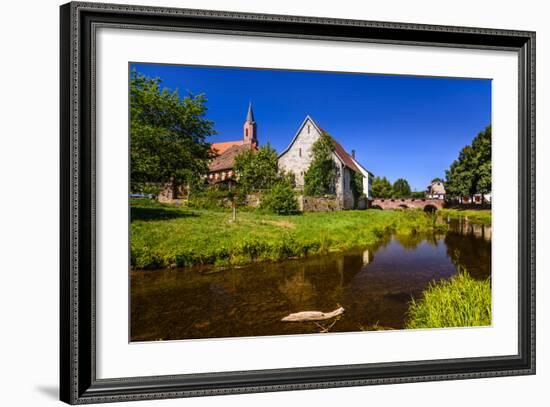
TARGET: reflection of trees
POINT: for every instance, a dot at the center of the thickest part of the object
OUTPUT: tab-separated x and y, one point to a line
353	264
470	249
411	241
434	238
471	229
381	243
320	280
298	289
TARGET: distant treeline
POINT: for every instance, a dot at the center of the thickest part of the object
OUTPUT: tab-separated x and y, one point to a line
383	188
468	175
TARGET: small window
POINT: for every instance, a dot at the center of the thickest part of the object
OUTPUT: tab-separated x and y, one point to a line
308	126
299	152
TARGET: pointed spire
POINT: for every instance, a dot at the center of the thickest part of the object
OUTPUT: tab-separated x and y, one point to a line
250	114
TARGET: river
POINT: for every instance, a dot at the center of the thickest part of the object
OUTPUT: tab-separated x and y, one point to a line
373	284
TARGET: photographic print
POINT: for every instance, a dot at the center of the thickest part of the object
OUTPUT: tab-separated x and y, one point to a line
296	197
275	202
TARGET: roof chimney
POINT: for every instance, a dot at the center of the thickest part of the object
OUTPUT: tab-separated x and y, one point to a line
353	154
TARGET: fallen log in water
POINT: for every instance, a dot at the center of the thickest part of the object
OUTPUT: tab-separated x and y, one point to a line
312	315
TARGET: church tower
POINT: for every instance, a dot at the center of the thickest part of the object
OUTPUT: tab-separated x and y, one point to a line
250	136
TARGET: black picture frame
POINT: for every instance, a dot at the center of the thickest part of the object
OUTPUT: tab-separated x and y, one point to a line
78	382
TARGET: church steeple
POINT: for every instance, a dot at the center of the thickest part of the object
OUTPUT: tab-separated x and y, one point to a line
249	128
250	114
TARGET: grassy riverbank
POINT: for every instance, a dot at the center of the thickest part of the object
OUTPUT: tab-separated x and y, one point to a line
481	216
457	302
168	236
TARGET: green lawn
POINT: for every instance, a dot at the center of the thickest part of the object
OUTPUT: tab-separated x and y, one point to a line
457	302
167	236
482	216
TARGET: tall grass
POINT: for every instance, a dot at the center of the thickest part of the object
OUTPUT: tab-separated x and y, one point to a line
457	302
168	236
482	216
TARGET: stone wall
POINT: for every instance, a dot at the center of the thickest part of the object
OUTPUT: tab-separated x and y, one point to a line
305	203
362	203
319	204
254	199
166	193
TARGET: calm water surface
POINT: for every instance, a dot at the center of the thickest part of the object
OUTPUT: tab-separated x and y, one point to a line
373	284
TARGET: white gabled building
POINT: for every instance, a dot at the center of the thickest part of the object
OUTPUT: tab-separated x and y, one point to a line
297	158
368	177
436	190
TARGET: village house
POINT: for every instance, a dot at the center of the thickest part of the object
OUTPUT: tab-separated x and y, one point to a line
477	199
436	190
221	168
298	156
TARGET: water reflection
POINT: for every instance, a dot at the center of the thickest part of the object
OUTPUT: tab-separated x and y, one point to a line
374	285
469	246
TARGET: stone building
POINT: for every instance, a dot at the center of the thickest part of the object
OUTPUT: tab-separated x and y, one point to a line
298	156
221	168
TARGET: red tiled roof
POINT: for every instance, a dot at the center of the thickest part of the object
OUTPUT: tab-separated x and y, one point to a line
339	150
222	147
226	160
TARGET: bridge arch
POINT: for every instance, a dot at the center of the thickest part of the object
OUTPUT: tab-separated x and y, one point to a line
430	208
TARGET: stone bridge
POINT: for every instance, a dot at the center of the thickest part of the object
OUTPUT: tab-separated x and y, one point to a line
426	204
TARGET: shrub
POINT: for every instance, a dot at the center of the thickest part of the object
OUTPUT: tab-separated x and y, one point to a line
457	302
209	199
216	198
280	199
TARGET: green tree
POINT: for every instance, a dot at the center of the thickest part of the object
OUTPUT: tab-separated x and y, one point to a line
381	188
167	135
482	146
436	179
281	199
470	173
460	177
320	178
401	188
257	169
418	194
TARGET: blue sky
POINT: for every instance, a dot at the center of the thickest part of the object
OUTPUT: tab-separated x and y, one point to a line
400	126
